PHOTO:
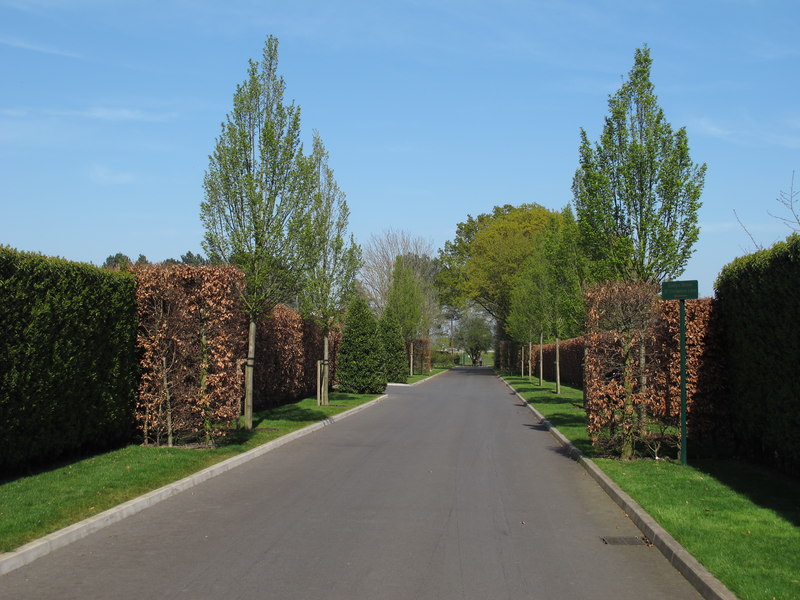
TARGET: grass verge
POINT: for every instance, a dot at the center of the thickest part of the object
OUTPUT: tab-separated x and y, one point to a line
33	506
740	521
434	371
564	410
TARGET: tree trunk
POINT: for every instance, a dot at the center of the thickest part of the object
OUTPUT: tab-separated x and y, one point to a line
558	368
628	408
204	385
248	381
642	425
318	382
541	358
325	371
530	360
167	399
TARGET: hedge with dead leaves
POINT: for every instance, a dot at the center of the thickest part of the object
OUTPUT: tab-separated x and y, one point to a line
651	414
287	350
191	341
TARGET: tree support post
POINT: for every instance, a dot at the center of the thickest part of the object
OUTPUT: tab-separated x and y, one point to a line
249	368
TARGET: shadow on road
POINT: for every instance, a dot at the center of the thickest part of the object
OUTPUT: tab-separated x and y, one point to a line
486	371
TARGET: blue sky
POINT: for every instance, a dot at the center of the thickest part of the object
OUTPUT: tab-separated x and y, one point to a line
431	109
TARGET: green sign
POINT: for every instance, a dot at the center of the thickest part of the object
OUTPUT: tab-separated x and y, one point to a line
679	290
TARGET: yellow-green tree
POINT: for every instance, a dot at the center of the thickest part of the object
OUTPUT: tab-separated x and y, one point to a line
496	254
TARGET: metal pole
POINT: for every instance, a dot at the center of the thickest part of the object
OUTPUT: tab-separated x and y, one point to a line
684	444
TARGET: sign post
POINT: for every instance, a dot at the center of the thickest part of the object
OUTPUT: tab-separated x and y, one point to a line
681	291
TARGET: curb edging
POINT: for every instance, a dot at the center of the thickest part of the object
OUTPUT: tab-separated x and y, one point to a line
708	586
58	539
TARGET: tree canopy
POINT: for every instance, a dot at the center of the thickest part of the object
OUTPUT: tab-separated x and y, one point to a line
482	263
474	334
255	198
637	191
332	257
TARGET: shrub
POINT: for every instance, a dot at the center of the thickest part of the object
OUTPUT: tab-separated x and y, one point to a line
67	358
443	359
359	365
287	350
650	417
395	361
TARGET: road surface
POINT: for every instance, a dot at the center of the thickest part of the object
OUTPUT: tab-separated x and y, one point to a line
448	489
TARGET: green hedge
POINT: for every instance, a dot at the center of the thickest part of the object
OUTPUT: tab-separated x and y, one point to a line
759	300
67	358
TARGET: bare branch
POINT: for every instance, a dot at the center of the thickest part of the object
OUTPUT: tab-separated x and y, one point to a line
752	239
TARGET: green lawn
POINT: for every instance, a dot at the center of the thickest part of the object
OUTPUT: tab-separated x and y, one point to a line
33	506
740	521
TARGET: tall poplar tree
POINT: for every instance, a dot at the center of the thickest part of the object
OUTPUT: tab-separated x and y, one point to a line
256	197
333	258
405	304
637	191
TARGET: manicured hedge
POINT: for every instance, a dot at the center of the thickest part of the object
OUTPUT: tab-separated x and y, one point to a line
759	300
287	350
570	356
67	358
192	335
708	396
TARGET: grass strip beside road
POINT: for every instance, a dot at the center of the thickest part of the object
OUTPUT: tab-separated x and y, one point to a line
434	371
36	505
564	411
742	522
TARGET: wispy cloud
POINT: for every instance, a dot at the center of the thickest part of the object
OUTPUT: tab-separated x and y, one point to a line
771	49
719	226
97	113
783	133
103	113
103	175
707	126
36	47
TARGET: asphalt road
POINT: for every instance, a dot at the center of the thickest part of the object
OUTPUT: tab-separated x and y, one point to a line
448	489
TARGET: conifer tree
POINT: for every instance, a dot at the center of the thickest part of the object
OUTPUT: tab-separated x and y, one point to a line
359	368
394	349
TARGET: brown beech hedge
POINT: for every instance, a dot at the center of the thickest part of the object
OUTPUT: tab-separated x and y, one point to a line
191	339
623	414
192	343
